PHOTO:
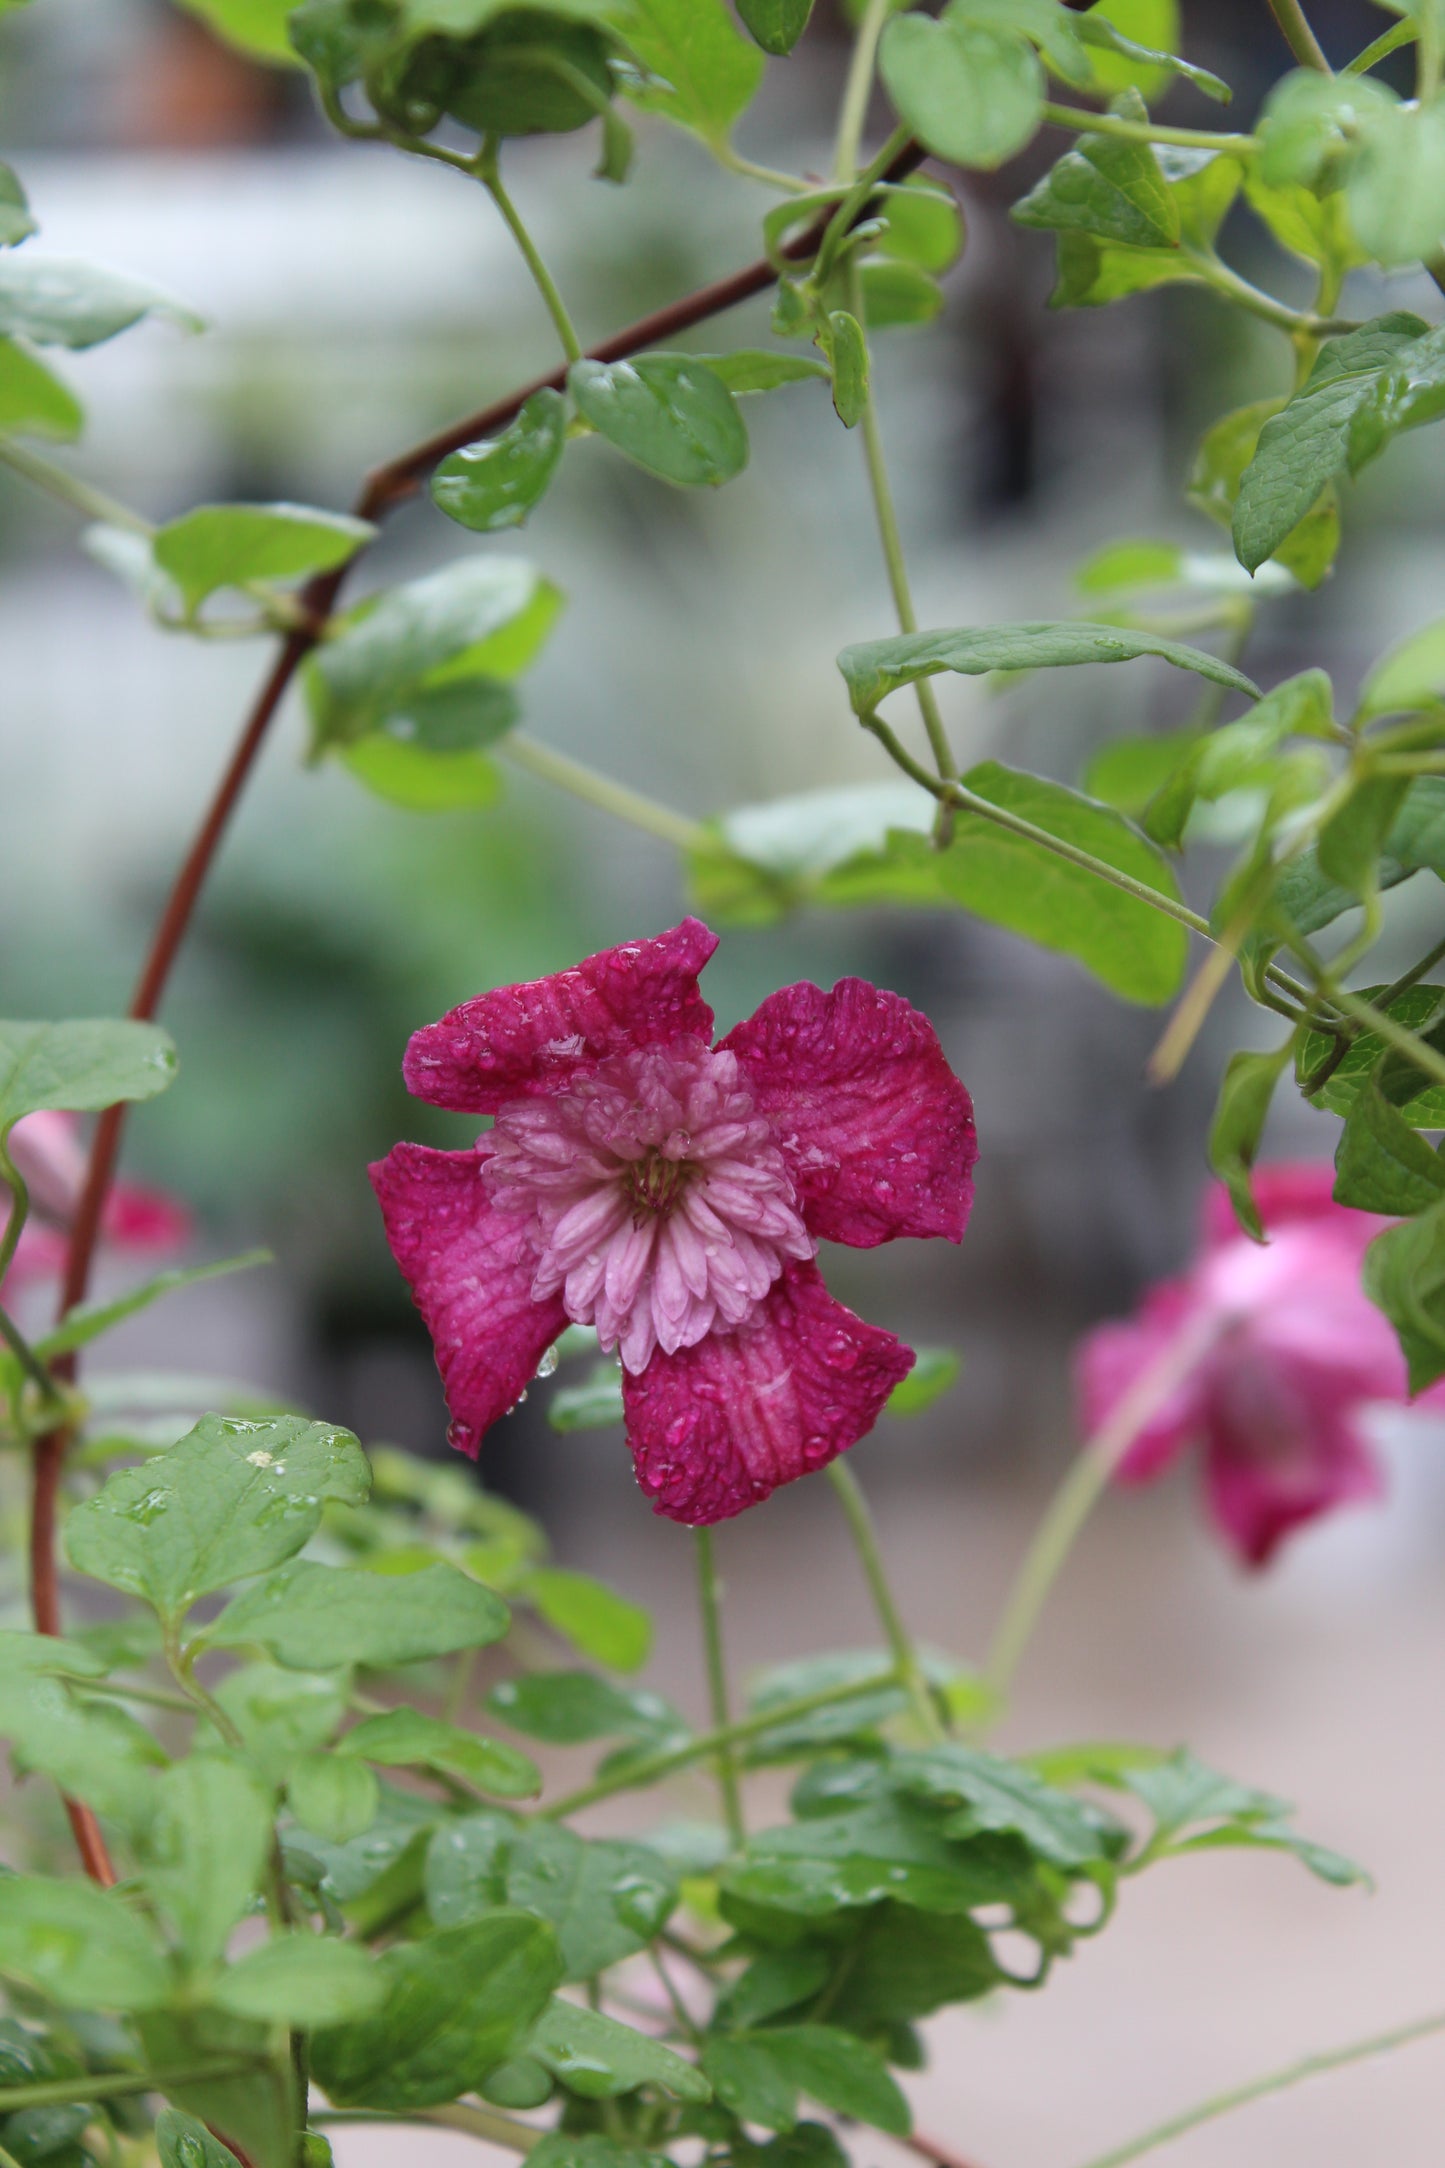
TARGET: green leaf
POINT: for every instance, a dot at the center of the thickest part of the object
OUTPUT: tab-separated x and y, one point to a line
701	73
428	755
255	27
1344	414
56	302
282	1716
258	2114
1145	66
1310	120
1045	23
839	2072
593	1406
747	2080
404	1737
872	669
1405	1277
934	1373
1351	840
182	2142
16	223
97	1754
78	1944
1093	272
887	1848
1245	1097
924	225
1031	890
974	96
1128	773
848	353
1420	1009
232	1499
778	1980
333	1794
988	1793
309	1616
88	1321
769	858
496	482
566	1708
893	292
1382	1163
80	1068
33	402
909	1963
481	618
458	2002
206	1850
598	1622
1107	187
227	545
606	1900
1395	183
1411	676
302	1979
759	369
1309	900
563	2149
777	25
599	2059
667	412
384	1865
1313	227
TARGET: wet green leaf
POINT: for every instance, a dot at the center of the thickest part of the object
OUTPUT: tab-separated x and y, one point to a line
667	412
33	402
410	1737
206	1850
606	1900
302	1979
990	1794
496	482
55	302
974	96
232	1499
333	1794
597	1621
227	545
599	2059
80	1945
701	72
754	370
310	1616
80	1067
458	2002
183	2142
565	1708
282	1716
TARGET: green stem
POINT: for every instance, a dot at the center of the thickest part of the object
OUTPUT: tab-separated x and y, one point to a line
1078	1494
749	170
709	1590
1298	35
489	174
1278	2081
1394	1034
153	1697
651	1768
58	482
1299	323
600	791
478	2122
1380	48
900	1641
179	1662
115	2084
853	113
29	1361
894	559
1145	131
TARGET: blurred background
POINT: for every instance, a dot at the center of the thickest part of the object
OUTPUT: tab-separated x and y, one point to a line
355	302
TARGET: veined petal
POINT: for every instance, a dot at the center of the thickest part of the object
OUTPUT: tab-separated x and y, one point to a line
470	1269
876	1129
521	1041
716	1427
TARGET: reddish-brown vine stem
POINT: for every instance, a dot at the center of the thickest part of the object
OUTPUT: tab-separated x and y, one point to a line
385	488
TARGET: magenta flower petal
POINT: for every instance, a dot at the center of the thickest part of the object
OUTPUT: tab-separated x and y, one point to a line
520	1041
716	1427
470	1270
876	1129
1281	1453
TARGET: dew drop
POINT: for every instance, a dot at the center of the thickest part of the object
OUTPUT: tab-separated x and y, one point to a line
550	1359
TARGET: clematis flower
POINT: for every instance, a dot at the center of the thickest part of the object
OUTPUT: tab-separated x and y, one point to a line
673	1193
46	1150
1293	1351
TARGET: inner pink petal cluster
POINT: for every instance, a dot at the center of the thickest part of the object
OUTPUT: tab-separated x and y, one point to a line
657	1200
1292	1352
673	1193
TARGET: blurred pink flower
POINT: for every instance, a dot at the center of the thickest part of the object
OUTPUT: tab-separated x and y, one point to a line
48	1155
673	1194
1292	1352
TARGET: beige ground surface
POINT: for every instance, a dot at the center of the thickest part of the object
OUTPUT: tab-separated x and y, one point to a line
1321	1682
